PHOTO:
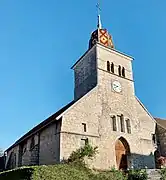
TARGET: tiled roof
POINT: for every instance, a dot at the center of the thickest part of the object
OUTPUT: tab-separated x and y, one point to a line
161	122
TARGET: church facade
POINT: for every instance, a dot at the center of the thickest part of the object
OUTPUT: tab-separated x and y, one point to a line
105	112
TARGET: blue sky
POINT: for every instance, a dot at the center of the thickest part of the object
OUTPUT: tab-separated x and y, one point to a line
40	40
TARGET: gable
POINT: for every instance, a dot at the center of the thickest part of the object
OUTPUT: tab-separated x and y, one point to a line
146	120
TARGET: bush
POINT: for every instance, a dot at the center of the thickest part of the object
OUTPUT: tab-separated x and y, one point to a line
17	174
137	175
163	174
109	175
58	172
80	154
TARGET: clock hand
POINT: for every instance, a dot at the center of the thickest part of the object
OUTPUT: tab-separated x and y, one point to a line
115	86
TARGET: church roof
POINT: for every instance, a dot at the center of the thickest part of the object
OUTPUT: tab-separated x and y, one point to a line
101	36
161	122
42	125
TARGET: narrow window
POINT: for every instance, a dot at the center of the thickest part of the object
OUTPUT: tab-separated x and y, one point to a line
114	127
84	127
32	143
24	147
154	139
128	126
123	72
108	66
122	128
112	67
15	159
119	70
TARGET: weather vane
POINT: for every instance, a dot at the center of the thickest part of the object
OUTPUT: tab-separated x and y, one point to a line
98	7
98	14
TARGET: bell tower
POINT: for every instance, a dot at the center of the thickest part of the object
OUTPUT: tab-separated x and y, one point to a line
102	63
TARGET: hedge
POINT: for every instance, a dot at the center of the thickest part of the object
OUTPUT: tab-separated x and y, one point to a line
58	172
68	172
24	173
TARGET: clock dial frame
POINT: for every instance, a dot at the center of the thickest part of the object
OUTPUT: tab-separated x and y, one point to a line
116	86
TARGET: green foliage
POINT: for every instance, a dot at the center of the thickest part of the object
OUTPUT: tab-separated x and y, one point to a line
110	175
137	175
17	174
163	174
86	151
58	172
68	172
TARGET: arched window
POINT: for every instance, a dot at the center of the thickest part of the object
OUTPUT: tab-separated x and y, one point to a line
123	72
108	66
119	70
112	67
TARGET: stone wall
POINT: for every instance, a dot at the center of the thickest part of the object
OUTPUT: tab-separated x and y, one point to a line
85	74
2	163
40	148
49	144
161	138
30	153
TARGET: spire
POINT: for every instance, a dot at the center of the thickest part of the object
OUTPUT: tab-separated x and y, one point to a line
99	26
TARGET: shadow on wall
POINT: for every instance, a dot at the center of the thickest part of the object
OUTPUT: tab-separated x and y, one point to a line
139	161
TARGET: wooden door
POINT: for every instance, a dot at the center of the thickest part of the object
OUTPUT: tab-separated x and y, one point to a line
121	155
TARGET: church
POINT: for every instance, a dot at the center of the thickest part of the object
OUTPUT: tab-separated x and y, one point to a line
104	112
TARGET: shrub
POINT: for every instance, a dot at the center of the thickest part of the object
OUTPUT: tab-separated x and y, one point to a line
77	158
17	174
58	172
109	175
137	175
163	174
81	153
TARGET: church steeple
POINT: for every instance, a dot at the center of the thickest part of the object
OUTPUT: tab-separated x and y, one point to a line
100	35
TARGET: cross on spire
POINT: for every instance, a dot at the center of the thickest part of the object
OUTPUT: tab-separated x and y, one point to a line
99	26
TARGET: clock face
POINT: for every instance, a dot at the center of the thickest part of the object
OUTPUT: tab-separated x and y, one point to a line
116	86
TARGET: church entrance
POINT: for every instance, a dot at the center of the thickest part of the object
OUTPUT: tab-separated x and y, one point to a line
122	151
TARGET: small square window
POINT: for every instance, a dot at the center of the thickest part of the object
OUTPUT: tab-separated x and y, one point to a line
84	142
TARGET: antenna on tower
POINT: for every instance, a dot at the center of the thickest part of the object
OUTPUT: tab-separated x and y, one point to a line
99	26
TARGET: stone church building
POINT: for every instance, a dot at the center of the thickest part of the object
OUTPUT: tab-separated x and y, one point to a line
105	112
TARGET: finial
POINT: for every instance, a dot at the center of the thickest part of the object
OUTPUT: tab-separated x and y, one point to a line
99	26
